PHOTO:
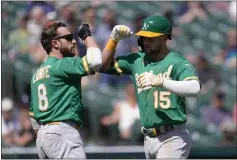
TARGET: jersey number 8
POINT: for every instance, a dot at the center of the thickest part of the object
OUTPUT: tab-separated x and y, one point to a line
42	96
161	99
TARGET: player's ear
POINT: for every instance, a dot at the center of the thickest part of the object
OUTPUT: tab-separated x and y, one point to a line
55	44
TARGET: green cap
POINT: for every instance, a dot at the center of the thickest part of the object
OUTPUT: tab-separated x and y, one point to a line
155	26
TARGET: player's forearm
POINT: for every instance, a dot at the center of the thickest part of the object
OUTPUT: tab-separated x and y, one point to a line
108	54
90	42
119	32
93	54
183	88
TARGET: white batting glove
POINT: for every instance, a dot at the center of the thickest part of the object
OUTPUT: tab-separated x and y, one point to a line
120	32
149	79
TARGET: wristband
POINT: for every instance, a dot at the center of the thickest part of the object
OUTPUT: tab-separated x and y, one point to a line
111	45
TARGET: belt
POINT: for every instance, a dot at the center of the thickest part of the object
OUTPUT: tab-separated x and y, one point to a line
71	123
157	131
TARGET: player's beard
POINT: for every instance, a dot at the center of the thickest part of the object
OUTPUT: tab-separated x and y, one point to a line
151	51
153	48
68	52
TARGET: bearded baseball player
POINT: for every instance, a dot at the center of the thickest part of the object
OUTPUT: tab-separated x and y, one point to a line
56	91
162	79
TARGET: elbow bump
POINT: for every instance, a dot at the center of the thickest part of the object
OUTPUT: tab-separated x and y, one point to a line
98	63
94	57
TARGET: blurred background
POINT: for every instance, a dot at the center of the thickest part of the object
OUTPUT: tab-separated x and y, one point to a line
204	32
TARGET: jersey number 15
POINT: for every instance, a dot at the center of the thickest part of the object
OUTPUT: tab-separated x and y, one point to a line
161	98
42	96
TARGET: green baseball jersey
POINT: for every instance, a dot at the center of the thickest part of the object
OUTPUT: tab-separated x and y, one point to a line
56	90
157	105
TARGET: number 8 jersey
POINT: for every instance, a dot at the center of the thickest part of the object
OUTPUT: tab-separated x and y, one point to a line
157	105
56	90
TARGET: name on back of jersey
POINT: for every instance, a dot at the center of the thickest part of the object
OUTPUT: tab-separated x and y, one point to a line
41	73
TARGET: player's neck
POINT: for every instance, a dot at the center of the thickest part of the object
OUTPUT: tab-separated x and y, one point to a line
161	55
56	54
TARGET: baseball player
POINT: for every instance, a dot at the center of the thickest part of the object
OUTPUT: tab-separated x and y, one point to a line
162	79
56	91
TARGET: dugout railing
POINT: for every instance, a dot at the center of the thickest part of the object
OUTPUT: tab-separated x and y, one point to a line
124	152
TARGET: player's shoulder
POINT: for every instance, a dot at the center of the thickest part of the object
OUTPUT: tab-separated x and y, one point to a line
134	55
65	59
63	62
177	57
56	64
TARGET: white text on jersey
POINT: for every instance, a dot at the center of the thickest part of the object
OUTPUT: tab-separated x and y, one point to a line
165	75
41	73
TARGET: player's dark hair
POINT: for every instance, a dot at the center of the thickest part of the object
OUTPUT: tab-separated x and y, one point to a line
49	33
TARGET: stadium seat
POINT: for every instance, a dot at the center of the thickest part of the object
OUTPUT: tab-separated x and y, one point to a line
197	30
188	50
209	140
142	7
186	29
218	15
216	38
222	27
199	126
207	24
198	44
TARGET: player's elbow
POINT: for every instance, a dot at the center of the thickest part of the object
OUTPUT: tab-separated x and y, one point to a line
103	68
94	57
194	88
96	63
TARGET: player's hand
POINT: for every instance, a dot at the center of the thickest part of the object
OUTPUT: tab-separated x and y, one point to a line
120	32
83	31
149	79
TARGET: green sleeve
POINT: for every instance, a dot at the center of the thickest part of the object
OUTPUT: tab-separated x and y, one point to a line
185	71
122	65
71	66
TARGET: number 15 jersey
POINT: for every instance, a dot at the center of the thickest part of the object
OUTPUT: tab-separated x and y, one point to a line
56	90
157	105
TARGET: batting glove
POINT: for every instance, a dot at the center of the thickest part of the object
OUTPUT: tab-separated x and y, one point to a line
149	79
120	32
83	31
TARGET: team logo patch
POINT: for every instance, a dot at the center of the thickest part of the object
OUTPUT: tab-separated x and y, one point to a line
145	26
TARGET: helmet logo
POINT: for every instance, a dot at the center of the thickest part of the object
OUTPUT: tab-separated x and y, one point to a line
145	26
